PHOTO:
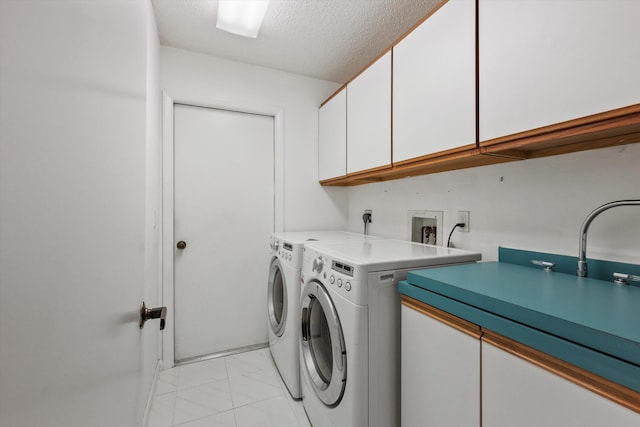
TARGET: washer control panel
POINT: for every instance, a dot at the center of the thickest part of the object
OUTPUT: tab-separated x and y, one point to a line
335	275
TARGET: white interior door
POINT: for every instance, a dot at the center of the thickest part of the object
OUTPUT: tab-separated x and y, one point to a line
224	212
72	213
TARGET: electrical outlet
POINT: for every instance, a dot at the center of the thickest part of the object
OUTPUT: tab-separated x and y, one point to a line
463	217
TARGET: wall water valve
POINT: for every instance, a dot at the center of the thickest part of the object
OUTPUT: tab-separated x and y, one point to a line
366	218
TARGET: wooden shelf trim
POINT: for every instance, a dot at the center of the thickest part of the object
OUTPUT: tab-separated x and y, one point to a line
609	129
457	323
602	386
615	127
461	158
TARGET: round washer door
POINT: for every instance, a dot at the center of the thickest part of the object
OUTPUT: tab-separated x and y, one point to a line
324	355
277	298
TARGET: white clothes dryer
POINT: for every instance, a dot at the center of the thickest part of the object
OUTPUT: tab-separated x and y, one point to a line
350	331
283	298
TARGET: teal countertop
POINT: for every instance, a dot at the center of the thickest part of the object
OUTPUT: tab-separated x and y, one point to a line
591	323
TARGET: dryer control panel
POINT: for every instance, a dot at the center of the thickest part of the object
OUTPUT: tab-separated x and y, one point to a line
288	253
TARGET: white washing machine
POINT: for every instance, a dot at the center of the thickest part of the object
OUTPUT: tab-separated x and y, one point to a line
283	298
350	336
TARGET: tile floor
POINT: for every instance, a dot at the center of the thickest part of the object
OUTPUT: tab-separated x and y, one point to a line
241	390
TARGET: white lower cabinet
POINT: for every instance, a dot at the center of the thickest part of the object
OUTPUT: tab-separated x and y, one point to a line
516	392
440	373
453	373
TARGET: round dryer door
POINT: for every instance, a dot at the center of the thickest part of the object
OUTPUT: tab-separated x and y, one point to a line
277	298
323	348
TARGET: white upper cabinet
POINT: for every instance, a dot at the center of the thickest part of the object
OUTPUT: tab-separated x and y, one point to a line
547	61
332	137
369	117
434	91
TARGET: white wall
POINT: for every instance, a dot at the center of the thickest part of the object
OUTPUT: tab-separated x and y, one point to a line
306	204
535	204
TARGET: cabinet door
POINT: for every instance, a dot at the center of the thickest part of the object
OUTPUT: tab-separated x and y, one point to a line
332	137
516	392
369	117
546	61
434	92
440	373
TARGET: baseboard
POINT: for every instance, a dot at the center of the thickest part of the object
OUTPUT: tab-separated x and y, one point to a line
152	393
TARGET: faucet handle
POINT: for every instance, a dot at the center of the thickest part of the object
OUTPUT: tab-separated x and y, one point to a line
624	279
548	266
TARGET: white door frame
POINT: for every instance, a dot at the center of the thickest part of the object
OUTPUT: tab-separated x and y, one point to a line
168	238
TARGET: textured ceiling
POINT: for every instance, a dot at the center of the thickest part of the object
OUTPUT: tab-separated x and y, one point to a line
326	39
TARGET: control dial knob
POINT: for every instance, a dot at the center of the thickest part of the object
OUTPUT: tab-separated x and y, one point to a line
317	265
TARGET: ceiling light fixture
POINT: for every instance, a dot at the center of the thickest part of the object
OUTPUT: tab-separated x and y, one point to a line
242	17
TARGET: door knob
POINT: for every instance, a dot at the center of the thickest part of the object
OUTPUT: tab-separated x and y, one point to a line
152	313
181	244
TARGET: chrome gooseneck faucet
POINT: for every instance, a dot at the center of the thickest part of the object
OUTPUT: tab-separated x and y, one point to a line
582	255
